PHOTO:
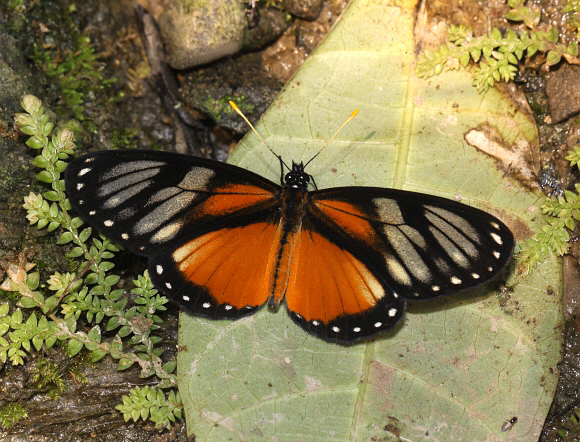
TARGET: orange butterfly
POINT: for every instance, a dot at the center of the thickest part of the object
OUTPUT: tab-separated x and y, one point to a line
222	241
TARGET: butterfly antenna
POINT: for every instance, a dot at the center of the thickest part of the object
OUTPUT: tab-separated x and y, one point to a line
354	114
237	109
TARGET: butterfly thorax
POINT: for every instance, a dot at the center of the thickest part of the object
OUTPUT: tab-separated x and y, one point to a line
297	178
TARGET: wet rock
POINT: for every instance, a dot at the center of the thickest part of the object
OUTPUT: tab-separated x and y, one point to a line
563	91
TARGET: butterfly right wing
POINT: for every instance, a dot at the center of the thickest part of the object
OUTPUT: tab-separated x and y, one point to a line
363	252
198	221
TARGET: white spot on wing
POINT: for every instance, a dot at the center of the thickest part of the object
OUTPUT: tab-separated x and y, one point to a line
398	272
414	236
167	232
84	171
131	167
496	238
185	298
164	194
392	312
109	223
455	280
163	212
454	253
378	324
159	269
452	225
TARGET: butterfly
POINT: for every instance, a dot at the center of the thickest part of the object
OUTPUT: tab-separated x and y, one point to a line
223	241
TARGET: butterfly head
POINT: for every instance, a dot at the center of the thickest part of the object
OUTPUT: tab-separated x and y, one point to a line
297	178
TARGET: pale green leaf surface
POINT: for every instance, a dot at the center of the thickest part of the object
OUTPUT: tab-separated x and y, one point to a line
458	368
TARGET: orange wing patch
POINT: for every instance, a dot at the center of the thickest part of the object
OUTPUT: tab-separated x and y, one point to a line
233	197
348	218
328	282
232	264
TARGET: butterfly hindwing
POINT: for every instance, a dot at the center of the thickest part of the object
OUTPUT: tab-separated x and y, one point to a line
332	293
164	206
223	273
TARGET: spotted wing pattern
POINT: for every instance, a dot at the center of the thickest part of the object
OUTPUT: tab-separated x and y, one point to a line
219	237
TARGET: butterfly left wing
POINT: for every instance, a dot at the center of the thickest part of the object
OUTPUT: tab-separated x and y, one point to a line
198	221
364	251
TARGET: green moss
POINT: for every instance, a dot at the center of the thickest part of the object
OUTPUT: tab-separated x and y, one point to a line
79	73
47	374
9	296
11	413
124	139
216	108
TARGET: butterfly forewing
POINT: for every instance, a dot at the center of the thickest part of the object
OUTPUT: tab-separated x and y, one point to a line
154	201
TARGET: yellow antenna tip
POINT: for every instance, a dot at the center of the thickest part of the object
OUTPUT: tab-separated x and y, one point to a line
354	113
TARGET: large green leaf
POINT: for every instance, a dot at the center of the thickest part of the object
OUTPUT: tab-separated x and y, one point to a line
458	368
